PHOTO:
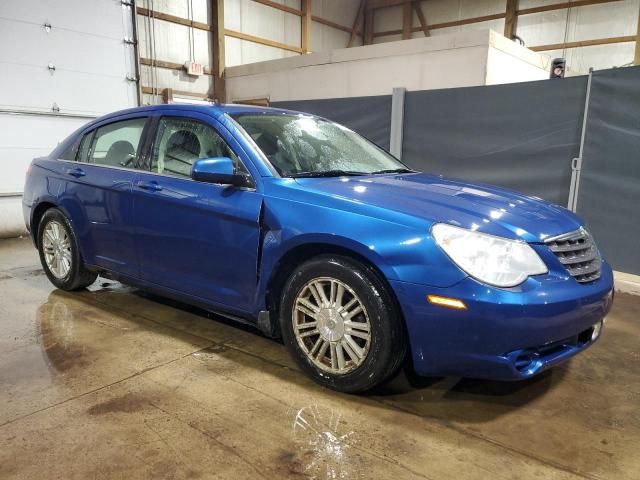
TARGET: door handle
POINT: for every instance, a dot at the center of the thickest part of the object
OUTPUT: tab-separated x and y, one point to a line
152	186
76	172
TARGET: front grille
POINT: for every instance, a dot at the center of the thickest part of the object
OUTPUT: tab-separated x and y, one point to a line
578	253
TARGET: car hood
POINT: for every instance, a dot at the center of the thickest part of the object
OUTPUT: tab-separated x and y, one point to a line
484	208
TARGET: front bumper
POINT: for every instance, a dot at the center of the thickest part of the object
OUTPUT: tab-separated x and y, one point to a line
504	334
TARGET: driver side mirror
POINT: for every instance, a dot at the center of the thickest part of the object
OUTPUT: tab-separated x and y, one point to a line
219	170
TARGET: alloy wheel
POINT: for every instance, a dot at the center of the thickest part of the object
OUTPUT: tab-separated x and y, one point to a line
56	246
331	325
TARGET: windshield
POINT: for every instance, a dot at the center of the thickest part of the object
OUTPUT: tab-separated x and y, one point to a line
302	145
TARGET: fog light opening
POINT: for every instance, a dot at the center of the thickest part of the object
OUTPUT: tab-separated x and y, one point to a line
597	329
447	302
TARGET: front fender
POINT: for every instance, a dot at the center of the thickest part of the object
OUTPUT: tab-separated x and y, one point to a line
401	252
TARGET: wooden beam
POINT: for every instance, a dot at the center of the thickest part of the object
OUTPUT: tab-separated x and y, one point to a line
172	19
511	19
636	57
562	6
584	43
368	27
168	65
331	24
407	19
198	95
305	21
436	26
279	6
261	41
218	60
417	5
356	22
376	4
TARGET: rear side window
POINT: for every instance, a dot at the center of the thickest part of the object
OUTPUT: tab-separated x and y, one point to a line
114	145
71	151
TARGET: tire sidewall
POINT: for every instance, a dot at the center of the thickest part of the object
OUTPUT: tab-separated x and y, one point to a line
375	366
67	282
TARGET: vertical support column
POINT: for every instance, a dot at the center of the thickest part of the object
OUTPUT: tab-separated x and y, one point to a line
306	26
217	50
407	19
397	122
576	163
636	57
511	19
368	27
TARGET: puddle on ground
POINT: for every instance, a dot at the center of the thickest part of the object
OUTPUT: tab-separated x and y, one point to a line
324	445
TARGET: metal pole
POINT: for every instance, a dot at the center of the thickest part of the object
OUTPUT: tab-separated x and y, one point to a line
576	163
397	121
136	52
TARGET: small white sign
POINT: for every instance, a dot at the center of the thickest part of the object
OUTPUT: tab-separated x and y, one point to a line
194	68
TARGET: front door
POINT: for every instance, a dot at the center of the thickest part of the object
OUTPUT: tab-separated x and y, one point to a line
199	239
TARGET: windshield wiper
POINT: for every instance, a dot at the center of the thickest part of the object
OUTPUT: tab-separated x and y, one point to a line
394	170
326	173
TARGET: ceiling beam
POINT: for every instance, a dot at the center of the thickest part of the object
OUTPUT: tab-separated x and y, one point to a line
423	20
356	22
584	43
562	6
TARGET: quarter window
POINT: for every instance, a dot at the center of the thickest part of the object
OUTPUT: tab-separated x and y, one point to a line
180	142
115	145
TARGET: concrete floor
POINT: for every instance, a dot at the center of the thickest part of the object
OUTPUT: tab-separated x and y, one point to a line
110	383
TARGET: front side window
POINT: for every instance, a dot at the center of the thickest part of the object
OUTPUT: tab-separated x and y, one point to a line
302	145
180	142
115	145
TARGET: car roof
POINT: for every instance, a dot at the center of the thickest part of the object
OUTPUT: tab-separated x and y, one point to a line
215	109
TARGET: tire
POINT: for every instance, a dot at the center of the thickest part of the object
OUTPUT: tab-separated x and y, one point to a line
330	318
55	235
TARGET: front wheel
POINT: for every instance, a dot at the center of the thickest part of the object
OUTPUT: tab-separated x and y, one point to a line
342	324
59	253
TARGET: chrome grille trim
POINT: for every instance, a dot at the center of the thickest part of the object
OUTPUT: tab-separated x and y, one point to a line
578	254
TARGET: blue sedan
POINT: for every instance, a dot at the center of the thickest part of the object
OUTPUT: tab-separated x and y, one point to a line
315	235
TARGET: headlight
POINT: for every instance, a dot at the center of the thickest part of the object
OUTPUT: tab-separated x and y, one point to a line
493	260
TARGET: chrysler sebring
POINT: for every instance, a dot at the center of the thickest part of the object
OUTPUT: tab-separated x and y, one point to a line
312	233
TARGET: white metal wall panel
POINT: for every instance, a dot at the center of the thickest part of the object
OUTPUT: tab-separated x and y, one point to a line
86	45
19	145
325	38
555	26
173	42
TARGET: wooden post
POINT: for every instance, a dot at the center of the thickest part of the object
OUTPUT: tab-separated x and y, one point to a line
407	19
306	26
368	27
356	22
217	50
511	19
636	57
422	18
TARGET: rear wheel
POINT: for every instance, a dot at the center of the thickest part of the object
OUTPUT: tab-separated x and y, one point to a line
59	253
341	324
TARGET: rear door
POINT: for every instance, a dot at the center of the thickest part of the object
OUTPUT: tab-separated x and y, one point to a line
98	193
196	238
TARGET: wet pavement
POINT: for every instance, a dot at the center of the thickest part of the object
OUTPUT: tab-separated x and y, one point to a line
113	383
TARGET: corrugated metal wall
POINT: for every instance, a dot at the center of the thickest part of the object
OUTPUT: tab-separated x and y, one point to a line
551	27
